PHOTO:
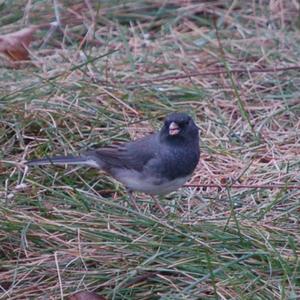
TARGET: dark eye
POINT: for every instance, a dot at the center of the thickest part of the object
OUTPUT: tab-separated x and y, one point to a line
184	123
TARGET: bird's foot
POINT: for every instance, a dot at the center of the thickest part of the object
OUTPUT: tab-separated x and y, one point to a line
159	206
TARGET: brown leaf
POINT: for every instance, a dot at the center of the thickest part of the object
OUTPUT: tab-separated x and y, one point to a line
15	45
86	296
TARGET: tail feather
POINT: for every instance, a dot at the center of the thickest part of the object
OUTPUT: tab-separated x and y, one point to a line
64	160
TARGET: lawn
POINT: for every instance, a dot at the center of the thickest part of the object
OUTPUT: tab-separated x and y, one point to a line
109	71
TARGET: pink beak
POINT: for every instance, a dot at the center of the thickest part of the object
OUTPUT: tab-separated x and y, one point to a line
173	129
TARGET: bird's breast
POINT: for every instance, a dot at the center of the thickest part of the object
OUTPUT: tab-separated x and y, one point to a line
136	181
179	162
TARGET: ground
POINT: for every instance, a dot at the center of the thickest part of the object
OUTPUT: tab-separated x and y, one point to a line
109	71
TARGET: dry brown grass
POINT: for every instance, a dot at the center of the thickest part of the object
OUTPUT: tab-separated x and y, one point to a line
110	74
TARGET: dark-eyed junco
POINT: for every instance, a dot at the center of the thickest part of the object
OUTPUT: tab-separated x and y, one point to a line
156	164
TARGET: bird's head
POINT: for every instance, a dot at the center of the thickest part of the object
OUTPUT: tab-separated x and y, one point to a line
179	126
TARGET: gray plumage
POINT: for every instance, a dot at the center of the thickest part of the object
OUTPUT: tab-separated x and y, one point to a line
156	164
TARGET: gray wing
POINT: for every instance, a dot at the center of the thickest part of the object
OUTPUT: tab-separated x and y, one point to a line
133	155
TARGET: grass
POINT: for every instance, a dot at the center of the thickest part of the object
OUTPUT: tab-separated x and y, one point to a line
111	74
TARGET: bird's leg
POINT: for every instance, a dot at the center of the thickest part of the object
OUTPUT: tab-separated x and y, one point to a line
132	199
158	205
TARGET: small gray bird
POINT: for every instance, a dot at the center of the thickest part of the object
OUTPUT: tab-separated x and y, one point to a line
156	164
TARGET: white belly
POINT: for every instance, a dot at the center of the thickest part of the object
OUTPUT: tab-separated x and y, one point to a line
154	186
